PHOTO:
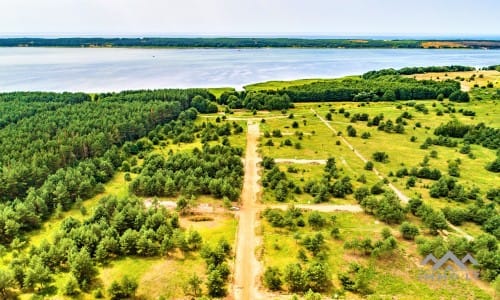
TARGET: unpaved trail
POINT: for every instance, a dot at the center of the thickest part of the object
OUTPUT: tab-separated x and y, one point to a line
301	161
247	267
322	207
398	192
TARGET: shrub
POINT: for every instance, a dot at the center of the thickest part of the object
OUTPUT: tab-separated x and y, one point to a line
380	156
408	230
272	278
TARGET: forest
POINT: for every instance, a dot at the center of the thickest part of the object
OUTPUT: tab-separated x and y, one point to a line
64	147
235	43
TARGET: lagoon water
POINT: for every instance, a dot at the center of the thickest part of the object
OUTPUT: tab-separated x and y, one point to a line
115	69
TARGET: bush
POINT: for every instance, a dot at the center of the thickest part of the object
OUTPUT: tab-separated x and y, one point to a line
408	230
316	220
377	188
369	166
125	289
351	131
272	278
494	166
71	287
380	156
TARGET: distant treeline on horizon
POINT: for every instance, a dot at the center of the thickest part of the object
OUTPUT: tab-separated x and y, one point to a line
245	43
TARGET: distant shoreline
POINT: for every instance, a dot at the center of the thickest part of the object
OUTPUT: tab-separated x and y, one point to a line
242	43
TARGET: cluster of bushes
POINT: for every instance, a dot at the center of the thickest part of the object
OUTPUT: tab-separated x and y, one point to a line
433	219
311	272
367	247
484	249
478	134
118	227
293	218
299	278
440	141
211	132
278	182
214	170
479	213
448	187
218	270
387	208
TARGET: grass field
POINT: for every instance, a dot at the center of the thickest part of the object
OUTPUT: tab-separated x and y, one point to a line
394	277
468	78
276	85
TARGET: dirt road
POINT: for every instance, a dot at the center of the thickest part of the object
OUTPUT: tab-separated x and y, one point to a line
247	267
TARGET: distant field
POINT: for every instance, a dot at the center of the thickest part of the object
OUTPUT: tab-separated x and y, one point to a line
469	79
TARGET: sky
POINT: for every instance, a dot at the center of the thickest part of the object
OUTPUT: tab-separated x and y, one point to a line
247	17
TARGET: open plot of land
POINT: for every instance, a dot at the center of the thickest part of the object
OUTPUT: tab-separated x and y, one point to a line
399	276
394	275
469	79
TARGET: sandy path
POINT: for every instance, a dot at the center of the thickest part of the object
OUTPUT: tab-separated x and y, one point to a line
322	207
247	267
301	161
398	192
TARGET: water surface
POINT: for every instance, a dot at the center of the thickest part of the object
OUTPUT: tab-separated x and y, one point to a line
115	69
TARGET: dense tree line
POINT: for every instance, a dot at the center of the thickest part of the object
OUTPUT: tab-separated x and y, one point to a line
269	100
416	70
479	134
386	88
213	170
233	42
18	105
39	145
208	42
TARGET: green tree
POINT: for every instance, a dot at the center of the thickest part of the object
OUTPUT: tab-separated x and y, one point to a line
7	282
318	277
295	278
71	287
194	285
216	285
82	267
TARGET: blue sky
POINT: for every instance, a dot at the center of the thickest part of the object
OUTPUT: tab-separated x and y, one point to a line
219	17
